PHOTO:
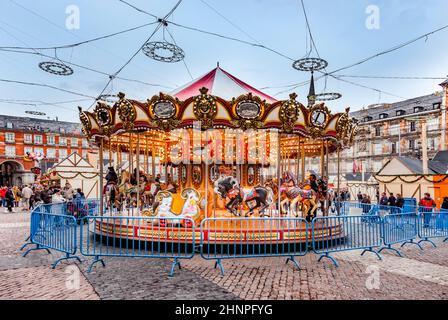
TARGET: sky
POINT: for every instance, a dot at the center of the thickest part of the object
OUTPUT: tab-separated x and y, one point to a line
339	30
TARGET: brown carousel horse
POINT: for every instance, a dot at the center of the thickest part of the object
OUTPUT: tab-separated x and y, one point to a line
299	198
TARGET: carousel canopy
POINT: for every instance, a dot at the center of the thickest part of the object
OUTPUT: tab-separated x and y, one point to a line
218	100
219	83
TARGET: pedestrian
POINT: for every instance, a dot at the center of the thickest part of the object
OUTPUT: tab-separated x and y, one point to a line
365	203
399	202
9	197
68	192
426	205
27	192
3	196
391	200
17	195
360	196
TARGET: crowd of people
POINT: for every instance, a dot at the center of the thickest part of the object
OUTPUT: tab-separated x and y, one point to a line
27	197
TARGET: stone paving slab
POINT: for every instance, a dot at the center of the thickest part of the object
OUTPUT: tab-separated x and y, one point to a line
41	283
134	278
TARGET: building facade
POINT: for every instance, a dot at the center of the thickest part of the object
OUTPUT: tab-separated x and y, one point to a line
389	130
54	140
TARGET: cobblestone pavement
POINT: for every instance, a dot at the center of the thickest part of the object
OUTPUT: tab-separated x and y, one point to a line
419	275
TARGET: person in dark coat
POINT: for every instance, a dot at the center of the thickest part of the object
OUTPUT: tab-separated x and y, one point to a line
9	197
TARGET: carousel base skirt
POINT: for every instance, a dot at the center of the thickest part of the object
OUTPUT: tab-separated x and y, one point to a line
236	235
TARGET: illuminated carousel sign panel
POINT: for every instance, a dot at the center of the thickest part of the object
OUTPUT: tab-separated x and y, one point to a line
248	110
164	109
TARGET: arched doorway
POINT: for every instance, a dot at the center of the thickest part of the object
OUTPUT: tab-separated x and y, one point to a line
9	171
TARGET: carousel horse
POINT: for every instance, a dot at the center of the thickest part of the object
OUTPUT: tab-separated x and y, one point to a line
257	198
167	205
309	202
111	190
325	196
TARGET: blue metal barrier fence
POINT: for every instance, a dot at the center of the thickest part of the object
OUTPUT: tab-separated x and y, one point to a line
54	231
399	228
234	238
137	237
344	233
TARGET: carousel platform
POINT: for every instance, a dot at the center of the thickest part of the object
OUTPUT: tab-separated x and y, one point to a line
237	231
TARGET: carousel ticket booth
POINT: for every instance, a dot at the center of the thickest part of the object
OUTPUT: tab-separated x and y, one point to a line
207	156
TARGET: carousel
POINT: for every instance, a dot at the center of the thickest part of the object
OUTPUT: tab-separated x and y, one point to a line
215	148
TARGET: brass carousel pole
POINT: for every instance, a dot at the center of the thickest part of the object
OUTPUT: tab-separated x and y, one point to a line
327	174
302	160
101	175
322	158
131	157
338	169
153	164
279	172
138	170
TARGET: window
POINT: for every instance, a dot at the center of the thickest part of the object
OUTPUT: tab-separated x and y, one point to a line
39	151
51	140
378	149
394	129
62	153
28	149
74	142
61	130
10	137
377	131
37	139
51	153
411	144
62	141
412	126
9	125
432	124
418	109
368	118
394	147
10	151
383	116
84	154
436	106
85	143
28	138
401	112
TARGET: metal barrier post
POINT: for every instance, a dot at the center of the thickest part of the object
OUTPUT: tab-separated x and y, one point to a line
398	228
237	238
54	231
137	237
344	233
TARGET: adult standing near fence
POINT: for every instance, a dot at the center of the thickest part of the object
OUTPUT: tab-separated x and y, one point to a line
26	194
9	197
360	196
68	192
426	206
399	203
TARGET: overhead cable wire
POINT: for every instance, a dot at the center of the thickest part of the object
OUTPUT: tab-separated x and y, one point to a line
159	25
76	44
183	60
390	77
395	48
86	68
229	21
138	9
46	86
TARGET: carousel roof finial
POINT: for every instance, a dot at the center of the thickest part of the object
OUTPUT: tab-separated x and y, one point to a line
203	90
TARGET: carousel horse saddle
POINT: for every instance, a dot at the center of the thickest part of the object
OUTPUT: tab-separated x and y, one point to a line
307	194
251	195
293	193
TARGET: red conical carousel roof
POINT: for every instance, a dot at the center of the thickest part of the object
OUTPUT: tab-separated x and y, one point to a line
220	83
